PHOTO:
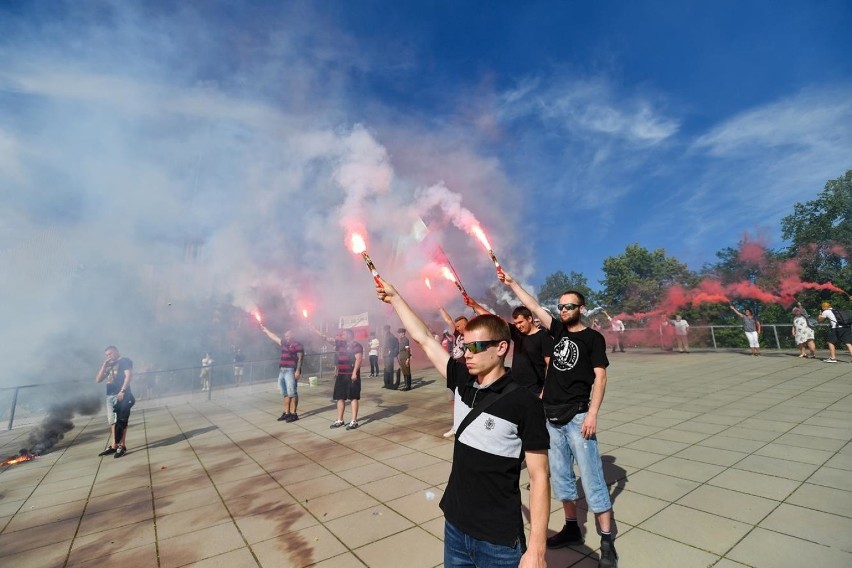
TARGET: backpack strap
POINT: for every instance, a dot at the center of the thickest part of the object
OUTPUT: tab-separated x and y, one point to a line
488	401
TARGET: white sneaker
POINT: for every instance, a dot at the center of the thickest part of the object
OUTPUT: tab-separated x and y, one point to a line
449	433
830	360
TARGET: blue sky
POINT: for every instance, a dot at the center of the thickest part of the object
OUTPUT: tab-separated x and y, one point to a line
263	129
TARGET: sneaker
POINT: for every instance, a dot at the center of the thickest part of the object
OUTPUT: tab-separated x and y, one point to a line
291	418
609	558
107	451
284	416
830	360
336	424
352	425
449	433
120	452
570	535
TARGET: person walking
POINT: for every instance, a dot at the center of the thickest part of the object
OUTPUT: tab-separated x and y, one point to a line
803	333
840	333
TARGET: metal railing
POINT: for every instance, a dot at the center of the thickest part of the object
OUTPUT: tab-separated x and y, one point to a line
717	337
27	404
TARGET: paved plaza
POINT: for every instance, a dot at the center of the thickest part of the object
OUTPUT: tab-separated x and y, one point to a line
714	459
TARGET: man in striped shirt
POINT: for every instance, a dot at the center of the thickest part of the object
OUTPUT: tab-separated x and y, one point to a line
290	371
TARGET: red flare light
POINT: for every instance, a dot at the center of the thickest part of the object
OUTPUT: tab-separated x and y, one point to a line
480	234
428	284
23	457
305	314
448	274
256	314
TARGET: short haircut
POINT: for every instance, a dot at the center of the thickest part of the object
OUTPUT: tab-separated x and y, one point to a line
521	311
349	333
495	326
401	330
113	347
579	295
461	318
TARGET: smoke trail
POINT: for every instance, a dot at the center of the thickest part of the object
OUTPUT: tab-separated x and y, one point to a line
58	422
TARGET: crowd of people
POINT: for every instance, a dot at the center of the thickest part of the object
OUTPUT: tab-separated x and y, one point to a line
540	412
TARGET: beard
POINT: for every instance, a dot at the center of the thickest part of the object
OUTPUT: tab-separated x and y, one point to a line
571	320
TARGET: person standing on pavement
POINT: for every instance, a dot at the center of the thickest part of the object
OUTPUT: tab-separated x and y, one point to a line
404	360
572	396
501	426
681	332
289	372
390	351
751	328
117	372
839	334
374	354
347	382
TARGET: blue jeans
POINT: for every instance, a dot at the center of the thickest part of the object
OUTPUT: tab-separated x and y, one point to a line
566	445
464	551
287	382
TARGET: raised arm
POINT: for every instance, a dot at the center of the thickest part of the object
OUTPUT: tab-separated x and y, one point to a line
736	311
527	299
416	328
477	307
270	335
447	318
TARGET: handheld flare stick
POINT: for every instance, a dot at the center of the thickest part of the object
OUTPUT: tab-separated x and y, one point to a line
360	247
480	234
448	274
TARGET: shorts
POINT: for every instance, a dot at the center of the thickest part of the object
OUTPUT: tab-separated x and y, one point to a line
287	383
567	444
347	389
753	340
111	399
238	371
116	409
840	336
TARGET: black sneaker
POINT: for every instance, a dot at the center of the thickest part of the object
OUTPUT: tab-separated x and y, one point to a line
291	418
107	451
609	558
120	452
570	535
283	416
337	424
352	425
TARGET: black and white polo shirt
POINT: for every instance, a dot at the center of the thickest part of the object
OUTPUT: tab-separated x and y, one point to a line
483	497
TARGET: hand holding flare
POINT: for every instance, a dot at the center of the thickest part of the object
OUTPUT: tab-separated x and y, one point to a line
480	234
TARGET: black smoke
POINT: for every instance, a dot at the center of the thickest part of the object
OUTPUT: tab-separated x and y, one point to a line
58	422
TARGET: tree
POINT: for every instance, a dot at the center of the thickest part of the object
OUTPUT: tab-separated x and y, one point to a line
637	280
820	234
558	282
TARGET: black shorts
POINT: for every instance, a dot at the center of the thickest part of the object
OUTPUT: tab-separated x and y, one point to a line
347	389
840	336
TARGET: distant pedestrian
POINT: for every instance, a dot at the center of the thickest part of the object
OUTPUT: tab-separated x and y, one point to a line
803	333
390	351
404	360
681	333
616	332
206	371
239	359
840	333
751	328
374	355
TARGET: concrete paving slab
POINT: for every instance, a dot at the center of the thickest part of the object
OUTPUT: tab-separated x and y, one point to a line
713	459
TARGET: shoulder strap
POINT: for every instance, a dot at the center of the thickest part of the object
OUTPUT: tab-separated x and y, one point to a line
477	410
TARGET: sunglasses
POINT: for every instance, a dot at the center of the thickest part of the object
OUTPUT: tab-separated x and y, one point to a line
480	346
568	307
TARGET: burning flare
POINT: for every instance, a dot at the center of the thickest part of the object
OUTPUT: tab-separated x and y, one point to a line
428	284
25	455
305	314
256	314
448	274
359	246
480	234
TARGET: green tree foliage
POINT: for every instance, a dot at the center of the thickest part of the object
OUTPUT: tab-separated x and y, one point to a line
820	234
558	282
637	280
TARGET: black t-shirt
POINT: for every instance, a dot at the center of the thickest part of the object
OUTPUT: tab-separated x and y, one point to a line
115	375
528	367
483	497
572	367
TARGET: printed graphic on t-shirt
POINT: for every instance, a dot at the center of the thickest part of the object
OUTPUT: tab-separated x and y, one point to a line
565	354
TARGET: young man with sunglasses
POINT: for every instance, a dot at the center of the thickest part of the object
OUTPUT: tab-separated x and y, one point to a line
499	425
572	396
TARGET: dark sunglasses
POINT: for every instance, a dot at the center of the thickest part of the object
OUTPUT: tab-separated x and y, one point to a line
480	346
568	307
